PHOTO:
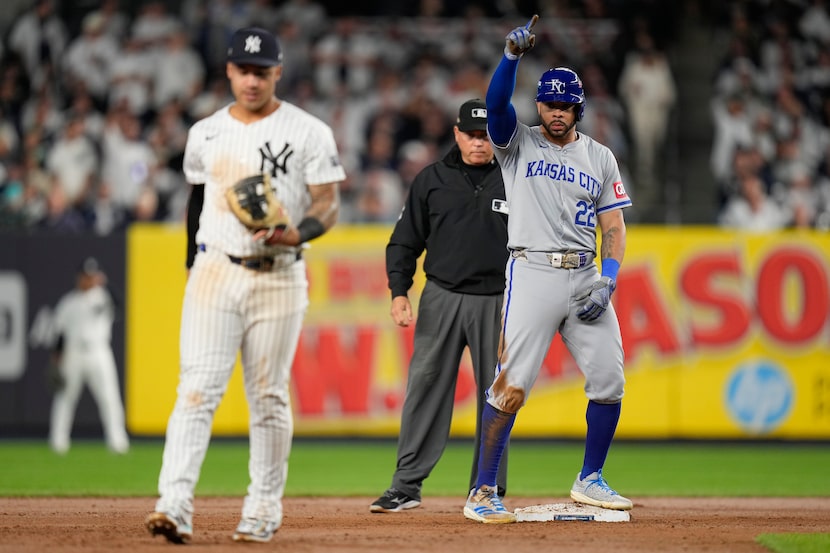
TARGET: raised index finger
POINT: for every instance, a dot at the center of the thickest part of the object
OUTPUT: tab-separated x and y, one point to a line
532	22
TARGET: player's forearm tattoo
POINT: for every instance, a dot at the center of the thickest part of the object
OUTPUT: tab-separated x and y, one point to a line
324	204
613	243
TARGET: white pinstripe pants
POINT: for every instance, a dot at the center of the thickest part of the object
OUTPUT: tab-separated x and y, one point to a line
229	309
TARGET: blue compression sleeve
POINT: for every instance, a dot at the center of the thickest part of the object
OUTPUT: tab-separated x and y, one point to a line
602	421
501	116
495	433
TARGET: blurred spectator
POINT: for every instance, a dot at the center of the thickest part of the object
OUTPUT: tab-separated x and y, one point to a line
380	151
823	209
211	27
39	37
414	156
308	14
215	95
9	139
605	121
296	50
814	23
648	91
43	119
793	123
14	91
740	77
344	59
13	200
380	196
800	198
178	73
153	24
733	130
780	49
131	77
429	78
167	136
81	105
116	20
752	209
89	57
748	161
72	163
263	13
36	188
60	217
128	169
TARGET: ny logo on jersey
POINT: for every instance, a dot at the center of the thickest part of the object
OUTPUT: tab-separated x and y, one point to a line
253	44
279	161
557	86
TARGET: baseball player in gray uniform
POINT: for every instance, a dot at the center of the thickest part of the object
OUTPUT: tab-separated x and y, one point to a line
561	187
246	291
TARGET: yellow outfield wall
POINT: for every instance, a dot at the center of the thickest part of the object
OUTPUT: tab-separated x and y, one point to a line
726	335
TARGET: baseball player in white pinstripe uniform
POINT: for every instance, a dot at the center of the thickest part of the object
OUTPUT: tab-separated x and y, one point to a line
246	291
83	357
562	188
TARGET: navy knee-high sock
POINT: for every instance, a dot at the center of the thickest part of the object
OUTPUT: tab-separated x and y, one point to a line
495	432
602	421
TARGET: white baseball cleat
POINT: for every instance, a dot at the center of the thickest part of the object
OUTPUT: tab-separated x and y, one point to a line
484	505
594	490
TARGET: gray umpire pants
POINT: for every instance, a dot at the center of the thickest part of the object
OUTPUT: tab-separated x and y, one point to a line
447	323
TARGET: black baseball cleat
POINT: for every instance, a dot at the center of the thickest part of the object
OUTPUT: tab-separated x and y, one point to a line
393	501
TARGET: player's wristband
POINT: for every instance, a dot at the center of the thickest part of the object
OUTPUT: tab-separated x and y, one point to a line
610	267
310	228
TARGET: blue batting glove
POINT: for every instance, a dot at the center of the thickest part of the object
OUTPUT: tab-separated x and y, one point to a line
520	40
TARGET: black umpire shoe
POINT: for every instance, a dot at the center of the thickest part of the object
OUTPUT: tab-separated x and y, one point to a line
393	501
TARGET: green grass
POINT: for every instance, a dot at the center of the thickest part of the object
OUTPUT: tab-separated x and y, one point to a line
795	543
357	468
362	468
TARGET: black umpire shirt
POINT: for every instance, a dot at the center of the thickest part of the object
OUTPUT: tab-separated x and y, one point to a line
455	212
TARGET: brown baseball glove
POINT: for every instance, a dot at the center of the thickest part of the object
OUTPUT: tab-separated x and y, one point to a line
254	203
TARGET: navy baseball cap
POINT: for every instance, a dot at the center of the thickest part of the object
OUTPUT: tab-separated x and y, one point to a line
254	46
89	266
472	116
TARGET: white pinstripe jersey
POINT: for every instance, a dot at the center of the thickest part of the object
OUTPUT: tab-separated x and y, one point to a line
554	193
85	318
297	148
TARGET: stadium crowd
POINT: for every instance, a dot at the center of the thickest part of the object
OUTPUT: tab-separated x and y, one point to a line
771	109
96	102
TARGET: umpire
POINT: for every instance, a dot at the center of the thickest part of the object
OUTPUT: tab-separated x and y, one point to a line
456	211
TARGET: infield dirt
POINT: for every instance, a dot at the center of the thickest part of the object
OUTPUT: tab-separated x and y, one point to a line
317	525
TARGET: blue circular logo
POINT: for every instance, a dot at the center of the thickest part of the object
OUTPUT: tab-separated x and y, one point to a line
759	396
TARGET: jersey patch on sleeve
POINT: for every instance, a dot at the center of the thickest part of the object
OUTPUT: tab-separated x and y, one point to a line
619	190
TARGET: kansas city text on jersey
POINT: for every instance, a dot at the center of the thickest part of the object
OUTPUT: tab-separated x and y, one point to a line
560	172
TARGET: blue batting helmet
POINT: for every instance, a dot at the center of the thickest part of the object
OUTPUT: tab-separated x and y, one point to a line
561	84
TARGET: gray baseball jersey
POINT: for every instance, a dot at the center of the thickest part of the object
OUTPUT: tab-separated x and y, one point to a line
554	194
558	191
